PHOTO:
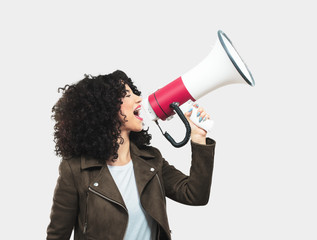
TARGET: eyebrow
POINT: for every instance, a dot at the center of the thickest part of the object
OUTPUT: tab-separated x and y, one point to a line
127	90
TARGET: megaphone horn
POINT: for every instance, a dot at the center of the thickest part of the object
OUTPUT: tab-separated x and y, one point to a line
221	67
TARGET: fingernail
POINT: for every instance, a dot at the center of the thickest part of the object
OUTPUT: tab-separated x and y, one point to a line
198	114
190	110
204	119
197	105
200	119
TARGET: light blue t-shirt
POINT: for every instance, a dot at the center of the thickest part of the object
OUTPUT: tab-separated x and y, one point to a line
140	224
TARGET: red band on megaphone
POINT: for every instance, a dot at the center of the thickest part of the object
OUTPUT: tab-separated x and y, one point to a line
173	92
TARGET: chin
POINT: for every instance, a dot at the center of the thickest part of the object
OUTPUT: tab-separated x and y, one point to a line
134	126
135	129
138	129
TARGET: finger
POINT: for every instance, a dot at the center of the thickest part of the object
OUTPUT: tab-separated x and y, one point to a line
206	117
199	111
202	116
196	105
189	112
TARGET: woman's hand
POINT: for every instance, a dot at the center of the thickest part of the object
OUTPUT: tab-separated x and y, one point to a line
198	135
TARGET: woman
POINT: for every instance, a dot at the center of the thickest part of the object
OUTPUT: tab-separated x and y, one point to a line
112	185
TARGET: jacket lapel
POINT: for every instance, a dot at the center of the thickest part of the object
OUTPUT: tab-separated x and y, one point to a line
146	167
103	185
143	172
143	169
106	186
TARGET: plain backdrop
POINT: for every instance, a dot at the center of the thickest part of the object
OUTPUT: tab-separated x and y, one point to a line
264	182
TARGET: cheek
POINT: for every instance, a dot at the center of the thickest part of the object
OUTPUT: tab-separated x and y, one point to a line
123	108
125	112
126	108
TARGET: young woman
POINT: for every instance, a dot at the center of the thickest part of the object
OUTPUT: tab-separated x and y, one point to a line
112	184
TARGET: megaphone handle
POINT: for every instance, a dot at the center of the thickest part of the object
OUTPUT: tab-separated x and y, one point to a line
186	123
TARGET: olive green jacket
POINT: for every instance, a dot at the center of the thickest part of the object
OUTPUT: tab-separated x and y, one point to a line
87	199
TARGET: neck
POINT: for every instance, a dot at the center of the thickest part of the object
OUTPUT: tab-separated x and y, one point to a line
124	155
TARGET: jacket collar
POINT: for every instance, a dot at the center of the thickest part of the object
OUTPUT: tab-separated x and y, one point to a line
139	152
89	162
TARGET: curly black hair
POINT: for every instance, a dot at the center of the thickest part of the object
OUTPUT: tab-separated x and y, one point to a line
87	119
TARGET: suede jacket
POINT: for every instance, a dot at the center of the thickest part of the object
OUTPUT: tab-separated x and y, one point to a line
87	199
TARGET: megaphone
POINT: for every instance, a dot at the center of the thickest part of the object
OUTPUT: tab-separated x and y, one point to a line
222	66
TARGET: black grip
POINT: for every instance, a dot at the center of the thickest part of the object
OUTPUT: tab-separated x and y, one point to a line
179	112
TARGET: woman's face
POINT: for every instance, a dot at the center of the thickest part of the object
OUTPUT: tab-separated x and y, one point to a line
130	108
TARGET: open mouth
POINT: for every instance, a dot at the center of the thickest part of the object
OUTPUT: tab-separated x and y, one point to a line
136	112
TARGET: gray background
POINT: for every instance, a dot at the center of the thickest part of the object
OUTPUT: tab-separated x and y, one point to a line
264	183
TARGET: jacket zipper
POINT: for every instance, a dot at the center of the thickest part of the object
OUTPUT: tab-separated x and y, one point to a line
86	217
109	199
163	197
160	185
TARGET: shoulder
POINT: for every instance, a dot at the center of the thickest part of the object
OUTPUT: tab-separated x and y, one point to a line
70	167
147	156
152	151
80	170
71	162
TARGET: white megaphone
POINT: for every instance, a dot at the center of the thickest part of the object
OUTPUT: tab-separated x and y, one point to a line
221	67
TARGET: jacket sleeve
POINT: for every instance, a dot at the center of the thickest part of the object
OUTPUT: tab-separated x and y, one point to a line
65	202
195	188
